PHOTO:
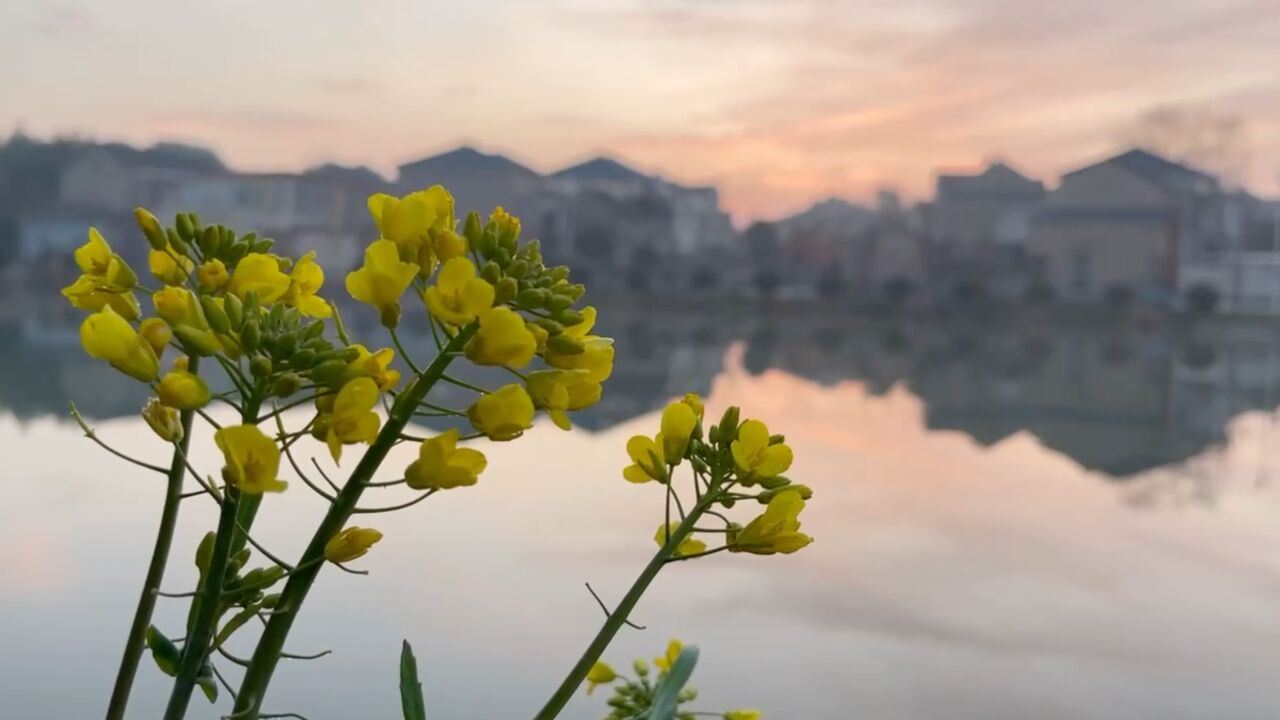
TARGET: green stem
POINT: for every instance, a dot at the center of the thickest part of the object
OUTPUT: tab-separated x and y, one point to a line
619	615
270	646
196	649
135	645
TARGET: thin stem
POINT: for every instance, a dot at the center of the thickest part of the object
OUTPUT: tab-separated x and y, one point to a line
404	354
616	620
605	608
136	644
324	475
201	635
267	654
392	508
464	384
89	433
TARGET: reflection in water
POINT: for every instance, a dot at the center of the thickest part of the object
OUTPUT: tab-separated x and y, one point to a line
950	578
1116	398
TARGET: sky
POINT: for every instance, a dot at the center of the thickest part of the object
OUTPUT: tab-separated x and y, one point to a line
777	102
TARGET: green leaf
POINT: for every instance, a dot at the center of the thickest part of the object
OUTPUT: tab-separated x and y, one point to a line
235	623
163	651
411	701
207	683
666	697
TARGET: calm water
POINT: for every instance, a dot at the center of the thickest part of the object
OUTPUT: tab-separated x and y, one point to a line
1049	520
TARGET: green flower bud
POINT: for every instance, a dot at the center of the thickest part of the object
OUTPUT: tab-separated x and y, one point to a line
261	246
776	481
576	291
150	227
328	372
713	435
209	240
183	226
250	335
558	273
517	268
565	345
532	298
286	344
251	305
557	303
303	358
729	425
472	228
502	256
249	238
260	366
312	331
551	326
215	314
505	291
491	272
641	667
287	384
197	342
570	317
234	308
235	252
777	439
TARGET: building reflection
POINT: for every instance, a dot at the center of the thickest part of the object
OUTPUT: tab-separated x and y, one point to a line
1117	397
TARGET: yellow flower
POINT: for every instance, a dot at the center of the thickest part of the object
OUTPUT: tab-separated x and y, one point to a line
743	715
304	282
678	423
755	457
688	546
252	459
540	335
168	266
353	418
373	365
350	543
212	275
502	414
665	662
600	674
777	530
410	222
179	306
502	339
183	390
382	280
580	330
505	223
458	295
694	401
441	464
258	273
647	459
106	279
596	358
107	336
561	391
157	334
163	420
449	245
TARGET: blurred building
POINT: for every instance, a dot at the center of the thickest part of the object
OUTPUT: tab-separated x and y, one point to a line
1117	230
117	178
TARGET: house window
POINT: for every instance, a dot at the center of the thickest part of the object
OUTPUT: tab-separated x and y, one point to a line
1080	272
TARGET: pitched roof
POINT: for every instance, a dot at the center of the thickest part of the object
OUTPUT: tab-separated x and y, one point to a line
1152	168
997	179
600	168
466	160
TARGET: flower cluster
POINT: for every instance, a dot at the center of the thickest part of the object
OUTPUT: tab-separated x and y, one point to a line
737	460
635	698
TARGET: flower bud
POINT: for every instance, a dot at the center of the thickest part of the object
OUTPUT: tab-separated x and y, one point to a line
729	425
209	240
262	246
575	291
558	303
303	358
569	317
472	228
777	439
163	420
250	334
182	223
234	307
183	390
260	366
214	313
449	245
287	384
558	273
565	345
517	268
641	667
551	326
351	543
776	481
150	227
197	342
532	298
157	334
491	272
505	291
212	275
328	372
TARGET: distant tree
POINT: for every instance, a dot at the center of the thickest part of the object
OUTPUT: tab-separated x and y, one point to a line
1199	136
1202	299
763	244
830	283
897	290
1118	297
